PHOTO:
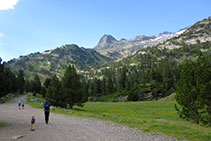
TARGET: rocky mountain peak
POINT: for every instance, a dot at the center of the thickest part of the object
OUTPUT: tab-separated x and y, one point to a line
106	40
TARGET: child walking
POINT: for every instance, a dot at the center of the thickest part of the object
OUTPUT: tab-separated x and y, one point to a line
19	104
22	105
33	123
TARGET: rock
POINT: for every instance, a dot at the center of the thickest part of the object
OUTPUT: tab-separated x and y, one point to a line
162	120
17	137
34	100
170	97
122	98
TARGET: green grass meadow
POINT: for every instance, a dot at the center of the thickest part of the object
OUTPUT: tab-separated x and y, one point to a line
149	116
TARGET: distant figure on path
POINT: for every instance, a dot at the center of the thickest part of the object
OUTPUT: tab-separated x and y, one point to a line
47	111
19	104
22	105
33	123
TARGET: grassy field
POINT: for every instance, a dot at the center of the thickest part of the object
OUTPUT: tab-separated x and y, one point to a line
157	116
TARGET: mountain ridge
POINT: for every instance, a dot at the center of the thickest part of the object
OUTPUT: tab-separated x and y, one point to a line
55	61
110	47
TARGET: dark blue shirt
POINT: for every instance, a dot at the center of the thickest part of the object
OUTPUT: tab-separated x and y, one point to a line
33	120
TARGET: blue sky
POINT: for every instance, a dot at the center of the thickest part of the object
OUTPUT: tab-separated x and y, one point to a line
28	26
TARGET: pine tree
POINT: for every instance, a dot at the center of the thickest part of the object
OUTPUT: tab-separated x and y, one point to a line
91	89
46	84
203	84
36	84
103	86
54	92
7	80
123	79
187	94
110	85
29	85
3	87
133	93
71	87
20	81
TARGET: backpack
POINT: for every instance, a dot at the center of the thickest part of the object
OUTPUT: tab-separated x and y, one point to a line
47	106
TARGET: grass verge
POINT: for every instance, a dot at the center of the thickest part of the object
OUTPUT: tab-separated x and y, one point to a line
156	116
2	124
8	98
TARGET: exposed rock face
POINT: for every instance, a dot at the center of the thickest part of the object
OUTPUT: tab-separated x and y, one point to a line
198	33
113	48
106	41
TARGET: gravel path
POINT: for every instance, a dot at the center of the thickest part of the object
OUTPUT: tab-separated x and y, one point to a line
64	128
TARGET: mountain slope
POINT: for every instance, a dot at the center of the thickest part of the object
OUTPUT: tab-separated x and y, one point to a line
153	72
198	33
189	44
55	61
113	48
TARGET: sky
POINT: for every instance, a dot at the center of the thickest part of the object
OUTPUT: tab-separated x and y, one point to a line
28	26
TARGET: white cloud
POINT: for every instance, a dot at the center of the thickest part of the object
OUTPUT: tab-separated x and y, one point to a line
7	4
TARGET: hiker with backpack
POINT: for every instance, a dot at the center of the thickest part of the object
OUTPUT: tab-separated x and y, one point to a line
47	111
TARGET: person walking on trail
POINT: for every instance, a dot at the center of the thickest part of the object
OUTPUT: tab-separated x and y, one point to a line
22	105
33	123
19	104
47	111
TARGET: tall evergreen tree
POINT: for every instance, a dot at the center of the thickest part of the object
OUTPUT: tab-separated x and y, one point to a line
46	84
3	88
71	87
20	81
123	79
54	92
36	84
28	86
103	86
7	80
203	84
193	90
110	85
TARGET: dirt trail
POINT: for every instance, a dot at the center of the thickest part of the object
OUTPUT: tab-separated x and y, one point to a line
63	128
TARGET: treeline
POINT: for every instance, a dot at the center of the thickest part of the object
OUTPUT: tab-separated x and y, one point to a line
12	83
139	82
67	92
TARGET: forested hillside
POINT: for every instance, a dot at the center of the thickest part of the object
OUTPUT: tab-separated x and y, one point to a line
55	61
